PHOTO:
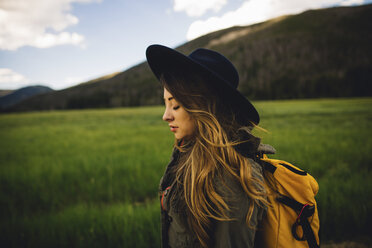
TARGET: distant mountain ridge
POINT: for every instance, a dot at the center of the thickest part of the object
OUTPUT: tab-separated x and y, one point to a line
22	94
318	53
5	92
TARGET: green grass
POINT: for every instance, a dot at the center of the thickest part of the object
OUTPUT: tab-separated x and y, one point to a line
89	178
114	225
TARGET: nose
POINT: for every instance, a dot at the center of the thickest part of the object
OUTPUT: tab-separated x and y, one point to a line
167	116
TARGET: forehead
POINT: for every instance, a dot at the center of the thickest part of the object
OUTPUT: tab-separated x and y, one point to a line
167	94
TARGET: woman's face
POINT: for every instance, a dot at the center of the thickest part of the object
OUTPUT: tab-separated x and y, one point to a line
180	122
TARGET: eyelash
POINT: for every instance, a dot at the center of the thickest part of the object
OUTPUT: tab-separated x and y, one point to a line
177	107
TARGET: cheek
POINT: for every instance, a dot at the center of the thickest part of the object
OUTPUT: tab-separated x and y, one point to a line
190	126
186	123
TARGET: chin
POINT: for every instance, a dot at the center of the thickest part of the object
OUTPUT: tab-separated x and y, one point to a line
186	137
178	137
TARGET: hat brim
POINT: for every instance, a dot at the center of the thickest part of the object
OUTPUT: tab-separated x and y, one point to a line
162	59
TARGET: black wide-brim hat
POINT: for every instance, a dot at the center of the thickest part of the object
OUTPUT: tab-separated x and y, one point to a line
218	71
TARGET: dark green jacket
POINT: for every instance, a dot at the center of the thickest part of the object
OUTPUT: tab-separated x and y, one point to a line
235	233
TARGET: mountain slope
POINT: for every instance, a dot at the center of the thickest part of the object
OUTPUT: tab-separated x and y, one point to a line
22	94
5	92
318	53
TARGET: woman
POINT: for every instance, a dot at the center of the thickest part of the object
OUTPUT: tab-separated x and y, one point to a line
212	192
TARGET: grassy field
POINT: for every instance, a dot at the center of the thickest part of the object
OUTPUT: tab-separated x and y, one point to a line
89	178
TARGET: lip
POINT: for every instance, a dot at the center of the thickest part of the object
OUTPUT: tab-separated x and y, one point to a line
173	128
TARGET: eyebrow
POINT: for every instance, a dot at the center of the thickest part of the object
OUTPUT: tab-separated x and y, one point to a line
170	98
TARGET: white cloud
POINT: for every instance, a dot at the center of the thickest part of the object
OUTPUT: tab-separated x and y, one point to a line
38	23
11	80
195	8
49	40
253	11
352	2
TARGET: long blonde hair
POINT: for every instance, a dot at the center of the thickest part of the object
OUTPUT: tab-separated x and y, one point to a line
208	155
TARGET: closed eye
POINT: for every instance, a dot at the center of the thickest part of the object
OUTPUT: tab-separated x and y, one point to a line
177	107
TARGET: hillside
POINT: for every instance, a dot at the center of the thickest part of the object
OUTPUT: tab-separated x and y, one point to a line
14	97
5	92
318	53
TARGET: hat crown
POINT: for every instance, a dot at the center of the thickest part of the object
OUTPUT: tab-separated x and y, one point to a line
217	64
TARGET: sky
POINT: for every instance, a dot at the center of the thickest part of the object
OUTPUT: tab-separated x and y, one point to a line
61	43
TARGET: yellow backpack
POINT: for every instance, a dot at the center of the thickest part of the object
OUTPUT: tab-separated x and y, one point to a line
292	219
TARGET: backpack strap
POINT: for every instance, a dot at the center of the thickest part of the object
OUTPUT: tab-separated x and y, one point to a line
306	211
